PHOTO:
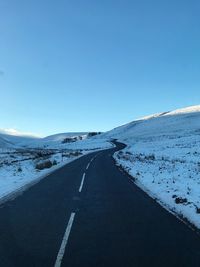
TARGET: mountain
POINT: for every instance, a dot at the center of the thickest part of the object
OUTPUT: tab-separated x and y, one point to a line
62	136
180	122
55	141
15	138
5	144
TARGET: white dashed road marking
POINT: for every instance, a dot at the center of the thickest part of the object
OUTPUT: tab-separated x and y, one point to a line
82	181
88	166
64	241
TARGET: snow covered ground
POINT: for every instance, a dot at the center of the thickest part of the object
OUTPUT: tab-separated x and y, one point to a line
19	168
23	166
163	156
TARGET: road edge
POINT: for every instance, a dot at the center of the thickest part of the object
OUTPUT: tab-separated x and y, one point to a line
179	216
19	191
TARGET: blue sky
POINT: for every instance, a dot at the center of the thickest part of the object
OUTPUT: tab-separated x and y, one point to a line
94	65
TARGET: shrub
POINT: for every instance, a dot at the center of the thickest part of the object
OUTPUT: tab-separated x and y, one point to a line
55	162
39	154
180	200
19	169
69	140
150	157
75	153
44	165
198	210
93	134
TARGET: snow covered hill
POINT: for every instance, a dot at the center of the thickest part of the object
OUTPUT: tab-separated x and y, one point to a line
179	122
15	138
5	144
11	137
163	156
56	141
71	140
62	136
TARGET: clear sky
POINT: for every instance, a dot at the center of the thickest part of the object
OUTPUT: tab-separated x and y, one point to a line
79	65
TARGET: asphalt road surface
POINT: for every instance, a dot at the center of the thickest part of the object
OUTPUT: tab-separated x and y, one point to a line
90	214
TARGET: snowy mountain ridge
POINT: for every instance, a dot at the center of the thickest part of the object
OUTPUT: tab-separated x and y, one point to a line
178	122
190	109
185	120
13	138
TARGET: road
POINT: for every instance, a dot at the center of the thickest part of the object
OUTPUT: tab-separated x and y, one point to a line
90	214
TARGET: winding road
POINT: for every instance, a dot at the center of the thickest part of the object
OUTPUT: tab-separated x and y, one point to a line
90	214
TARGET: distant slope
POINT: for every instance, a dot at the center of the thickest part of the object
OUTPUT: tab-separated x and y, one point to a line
16	138
53	141
5	144
179	122
62	136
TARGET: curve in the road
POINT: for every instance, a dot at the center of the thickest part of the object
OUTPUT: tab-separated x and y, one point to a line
89	214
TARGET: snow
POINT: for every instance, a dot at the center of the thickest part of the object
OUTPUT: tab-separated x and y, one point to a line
56	142
4	143
18	165
163	156
191	109
14	132
62	136
13	138
90	144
